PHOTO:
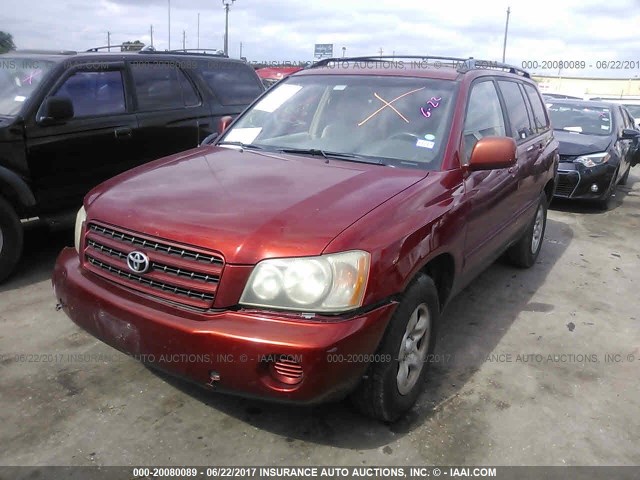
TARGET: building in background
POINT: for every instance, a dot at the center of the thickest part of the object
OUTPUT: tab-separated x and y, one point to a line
587	87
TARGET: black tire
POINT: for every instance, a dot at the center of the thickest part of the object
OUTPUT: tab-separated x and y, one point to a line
523	254
625	177
11	236
379	395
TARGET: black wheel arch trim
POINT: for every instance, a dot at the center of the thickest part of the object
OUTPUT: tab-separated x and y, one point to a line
17	190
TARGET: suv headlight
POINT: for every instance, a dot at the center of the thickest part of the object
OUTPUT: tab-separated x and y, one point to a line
593	159
80	218
328	283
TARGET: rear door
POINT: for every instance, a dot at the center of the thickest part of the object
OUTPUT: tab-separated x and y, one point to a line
491	194
169	109
529	126
69	158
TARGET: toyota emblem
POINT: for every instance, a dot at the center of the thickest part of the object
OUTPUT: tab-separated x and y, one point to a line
138	262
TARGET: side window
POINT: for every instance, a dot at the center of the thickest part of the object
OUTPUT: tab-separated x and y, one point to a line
162	86
620	121
628	120
516	110
539	117
95	93
484	116
233	84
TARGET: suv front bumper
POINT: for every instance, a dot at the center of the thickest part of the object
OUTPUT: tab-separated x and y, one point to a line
239	348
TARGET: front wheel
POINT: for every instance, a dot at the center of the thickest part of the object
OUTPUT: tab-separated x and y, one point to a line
390	388
525	251
10	239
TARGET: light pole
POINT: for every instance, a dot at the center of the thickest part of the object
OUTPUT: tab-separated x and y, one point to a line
506	29
344	50
169	15
227	4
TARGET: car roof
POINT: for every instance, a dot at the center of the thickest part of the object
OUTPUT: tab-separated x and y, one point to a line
66	55
437	67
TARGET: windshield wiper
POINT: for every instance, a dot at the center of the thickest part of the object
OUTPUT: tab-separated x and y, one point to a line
327	154
570	130
249	146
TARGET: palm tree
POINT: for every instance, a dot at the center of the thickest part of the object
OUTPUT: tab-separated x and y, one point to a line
6	42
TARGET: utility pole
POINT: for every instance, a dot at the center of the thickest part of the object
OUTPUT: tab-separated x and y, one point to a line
227	4
381	51
240	49
184	39
109	41
198	30
344	51
151	31
506	30
169	2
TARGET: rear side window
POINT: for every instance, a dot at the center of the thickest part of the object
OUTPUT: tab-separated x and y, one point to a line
516	110
484	116
539	117
94	93
233	84
162	86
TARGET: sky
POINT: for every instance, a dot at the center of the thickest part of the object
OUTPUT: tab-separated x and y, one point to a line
589	31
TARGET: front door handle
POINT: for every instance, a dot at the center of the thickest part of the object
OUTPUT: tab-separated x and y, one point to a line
123	132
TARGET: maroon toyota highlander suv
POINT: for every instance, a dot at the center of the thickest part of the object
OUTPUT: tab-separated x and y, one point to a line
309	252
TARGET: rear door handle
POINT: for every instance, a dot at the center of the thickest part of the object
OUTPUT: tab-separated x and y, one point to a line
123	132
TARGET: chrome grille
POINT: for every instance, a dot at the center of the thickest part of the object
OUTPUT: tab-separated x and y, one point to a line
177	273
151	283
151	244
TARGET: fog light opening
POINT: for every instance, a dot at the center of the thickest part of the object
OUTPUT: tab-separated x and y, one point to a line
594	188
286	369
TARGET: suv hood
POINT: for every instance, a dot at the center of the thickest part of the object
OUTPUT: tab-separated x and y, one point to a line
574	144
246	205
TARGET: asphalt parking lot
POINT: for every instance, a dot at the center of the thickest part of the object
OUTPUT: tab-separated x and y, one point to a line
536	367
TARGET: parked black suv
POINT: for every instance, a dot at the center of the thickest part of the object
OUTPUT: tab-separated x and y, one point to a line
69	121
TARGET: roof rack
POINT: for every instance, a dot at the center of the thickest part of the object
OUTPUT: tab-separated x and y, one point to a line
462	65
201	51
151	49
106	47
47	52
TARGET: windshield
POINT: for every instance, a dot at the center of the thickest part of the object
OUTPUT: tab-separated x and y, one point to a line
395	121
634	110
19	78
588	120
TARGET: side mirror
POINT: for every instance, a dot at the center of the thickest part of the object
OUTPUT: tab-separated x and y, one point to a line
56	109
629	134
224	123
492	153
209	139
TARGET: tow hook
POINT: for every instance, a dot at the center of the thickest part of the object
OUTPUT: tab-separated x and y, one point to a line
214	377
